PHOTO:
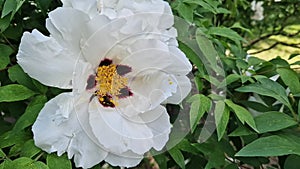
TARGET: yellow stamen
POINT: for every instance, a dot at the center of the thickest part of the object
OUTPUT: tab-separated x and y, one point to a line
109	82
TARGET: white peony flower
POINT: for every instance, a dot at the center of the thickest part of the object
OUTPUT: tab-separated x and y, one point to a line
258	9
121	70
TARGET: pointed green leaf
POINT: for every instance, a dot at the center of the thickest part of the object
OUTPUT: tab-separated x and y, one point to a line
242	114
14	92
221	118
225	32
177	157
29	149
161	160
2	154
200	105
31	113
275	145
25	163
9	6
55	162
209	52
241	131
5	52
290	78
273	121
267	87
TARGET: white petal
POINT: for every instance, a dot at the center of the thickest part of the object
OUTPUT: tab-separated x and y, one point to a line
57	128
120	133
45	60
87	6
159	122
183	89
82	73
127	159
68	32
149	90
154	54
180	64
96	47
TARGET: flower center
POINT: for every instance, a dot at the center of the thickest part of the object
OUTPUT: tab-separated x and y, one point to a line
110	83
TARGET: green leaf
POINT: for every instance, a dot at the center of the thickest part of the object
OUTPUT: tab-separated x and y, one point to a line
178	157
11	138
290	78
213	151
225	32
186	146
14	92
2	154
4	23
29	149
229	79
273	121
267	87
5	52
161	160
221	118
203	4
200	105
241	131
242	114
275	145
294	55
9	6
55	162
31	113
186	11
209	52
292	162
16	74
25	163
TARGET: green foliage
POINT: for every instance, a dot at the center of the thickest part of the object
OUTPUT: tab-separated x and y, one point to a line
247	108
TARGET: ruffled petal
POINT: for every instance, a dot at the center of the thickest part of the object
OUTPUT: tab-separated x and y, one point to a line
120	133
87	6
127	159
45	60
147	54
150	88
67	32
58	128
183	89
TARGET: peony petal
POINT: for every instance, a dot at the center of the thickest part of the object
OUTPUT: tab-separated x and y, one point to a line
120	134
58	128
151	87
45	60
127	159
183	89
82	72
144	51
180	65
159	122
103	39
87	6
68	32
